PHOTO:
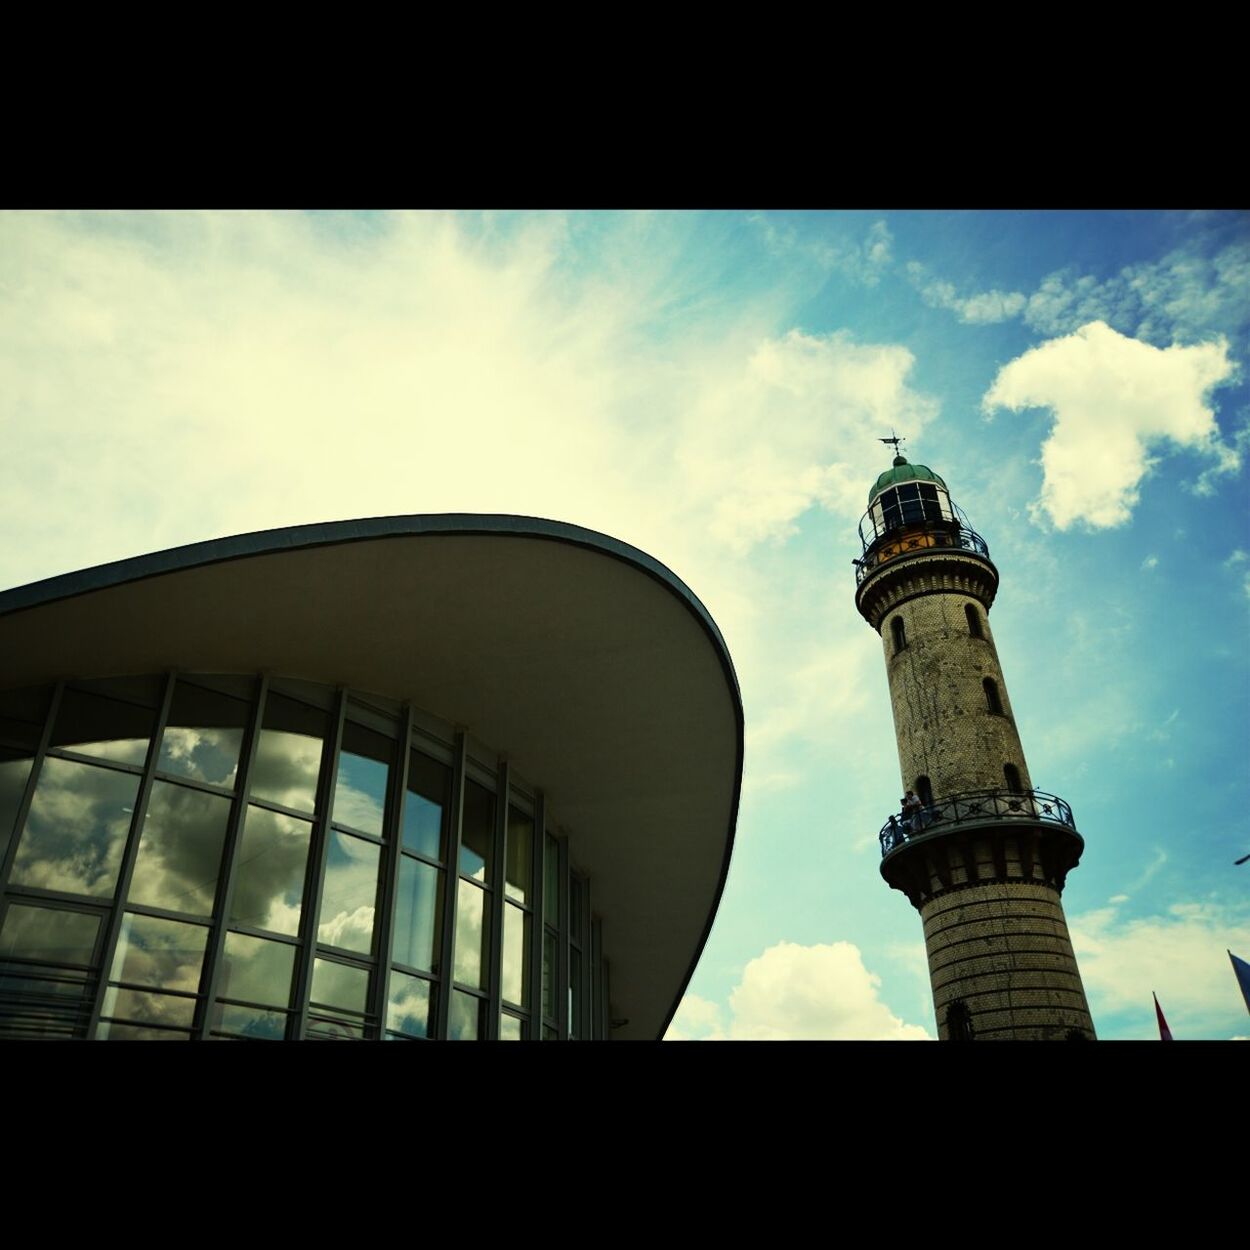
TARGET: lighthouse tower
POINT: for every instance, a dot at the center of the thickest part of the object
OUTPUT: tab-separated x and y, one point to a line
980	853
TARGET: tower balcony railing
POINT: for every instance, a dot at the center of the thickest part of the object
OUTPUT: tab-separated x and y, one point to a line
975	807
927	536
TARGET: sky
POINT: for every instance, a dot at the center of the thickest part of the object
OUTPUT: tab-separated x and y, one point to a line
711	388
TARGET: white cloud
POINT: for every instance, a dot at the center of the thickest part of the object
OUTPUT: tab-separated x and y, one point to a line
878	246
793	992
1235	563
1150	562
696	1019
1191	293
352	930
982	308
167	378
1180	955
1186	294
1115	401
824	687
1157	861
770	438
863	262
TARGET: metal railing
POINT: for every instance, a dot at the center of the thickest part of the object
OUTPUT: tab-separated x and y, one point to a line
975	807
932	536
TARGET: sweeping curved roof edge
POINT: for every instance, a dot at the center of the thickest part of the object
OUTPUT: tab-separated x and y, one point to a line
57	593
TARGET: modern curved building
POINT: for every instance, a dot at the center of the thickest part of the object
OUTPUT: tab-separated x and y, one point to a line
409	777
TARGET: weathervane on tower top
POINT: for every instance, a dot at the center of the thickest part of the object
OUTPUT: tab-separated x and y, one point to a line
895	439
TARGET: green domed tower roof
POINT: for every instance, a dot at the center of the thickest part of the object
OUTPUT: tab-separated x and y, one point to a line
901	471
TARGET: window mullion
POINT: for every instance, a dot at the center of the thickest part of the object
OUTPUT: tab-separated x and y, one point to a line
451	883
234	833
130	853
562	944
537	925
495	900
317	865
389	887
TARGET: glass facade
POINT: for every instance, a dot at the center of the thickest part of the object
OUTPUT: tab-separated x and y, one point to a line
237	857
913	503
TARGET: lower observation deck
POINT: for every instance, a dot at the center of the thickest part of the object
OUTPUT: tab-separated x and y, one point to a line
976	807
978	837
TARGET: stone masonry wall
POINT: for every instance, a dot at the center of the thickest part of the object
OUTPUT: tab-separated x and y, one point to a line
1003	950
942	722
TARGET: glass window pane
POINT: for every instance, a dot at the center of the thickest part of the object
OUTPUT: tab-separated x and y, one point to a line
37	1008
110	1031
520	854
269	880
49	934
891	509
77	827
14	773
325	1028
913	508
549	975
164	953
472	954
577	897
141	1007
425	807
288	755
349	893
340	985
363	774
511	1029
418	915
516	946
465	1017
410	1004
22	714
575	993
248	1022
551	881
113	719
478	834
180	849
257	971
204	735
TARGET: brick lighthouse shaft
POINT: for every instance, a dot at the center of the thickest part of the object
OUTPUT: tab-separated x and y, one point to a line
985	861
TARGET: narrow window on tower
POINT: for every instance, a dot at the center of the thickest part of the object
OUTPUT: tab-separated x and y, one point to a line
991	696
924	790
899	630
958	1022
1012	776
974	621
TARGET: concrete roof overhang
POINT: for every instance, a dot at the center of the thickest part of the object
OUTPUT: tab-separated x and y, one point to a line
590	665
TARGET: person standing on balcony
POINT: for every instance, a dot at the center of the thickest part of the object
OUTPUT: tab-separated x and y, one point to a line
912	808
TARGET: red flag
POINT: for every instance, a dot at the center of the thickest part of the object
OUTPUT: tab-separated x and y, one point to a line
1165	1034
